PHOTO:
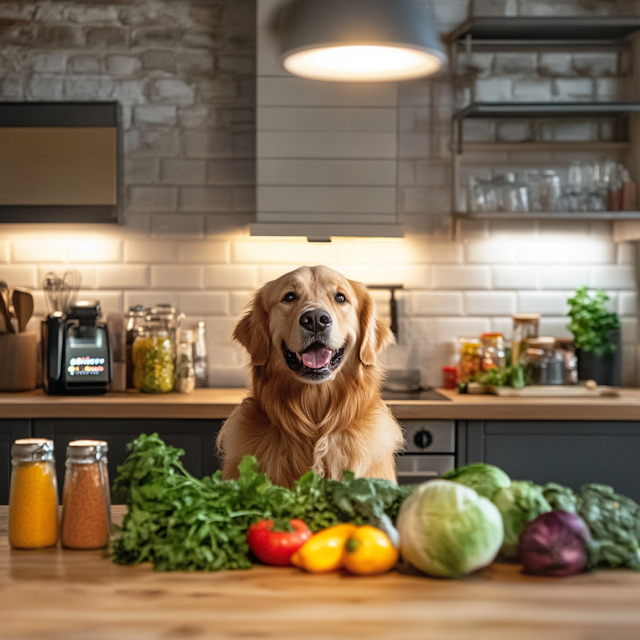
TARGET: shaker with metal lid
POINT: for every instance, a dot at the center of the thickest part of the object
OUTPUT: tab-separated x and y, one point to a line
33	496
86	520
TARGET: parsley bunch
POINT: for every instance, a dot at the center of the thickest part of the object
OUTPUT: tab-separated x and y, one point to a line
178	522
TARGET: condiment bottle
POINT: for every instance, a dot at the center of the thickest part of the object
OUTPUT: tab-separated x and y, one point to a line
200	360
493	355
33	497
185	375
135	323
525	326
470	358
85	503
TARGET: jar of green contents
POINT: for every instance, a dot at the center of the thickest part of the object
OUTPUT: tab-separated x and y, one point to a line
152	354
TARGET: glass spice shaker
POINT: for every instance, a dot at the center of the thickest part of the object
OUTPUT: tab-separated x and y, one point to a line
200	360
185	374
86	518
33	496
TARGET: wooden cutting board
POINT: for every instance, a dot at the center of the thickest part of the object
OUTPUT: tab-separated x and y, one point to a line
555	391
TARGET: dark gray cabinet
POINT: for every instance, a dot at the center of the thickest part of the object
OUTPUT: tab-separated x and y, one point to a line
569	452
10	430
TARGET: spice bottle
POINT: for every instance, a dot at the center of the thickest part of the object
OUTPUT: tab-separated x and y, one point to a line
200	360
185	375
33	497
135	323
85	502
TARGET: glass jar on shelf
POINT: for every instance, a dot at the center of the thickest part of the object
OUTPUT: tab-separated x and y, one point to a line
152	354
185	373
135	323
493	354
86	519
469	358
525	327
33	495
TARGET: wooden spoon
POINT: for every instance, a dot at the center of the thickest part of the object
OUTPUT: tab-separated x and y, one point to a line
6	316
22	307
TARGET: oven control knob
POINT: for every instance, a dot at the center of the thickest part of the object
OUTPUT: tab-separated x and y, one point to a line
423	439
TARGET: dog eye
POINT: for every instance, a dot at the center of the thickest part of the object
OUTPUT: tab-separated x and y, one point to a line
289	297
340	298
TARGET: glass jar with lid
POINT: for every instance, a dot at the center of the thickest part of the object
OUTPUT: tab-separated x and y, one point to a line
33	496
493	354
525	327
152	354
86	519
545	363
185	373
469	358
135	324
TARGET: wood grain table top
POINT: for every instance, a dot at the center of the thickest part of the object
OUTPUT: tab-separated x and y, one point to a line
57	594
219	403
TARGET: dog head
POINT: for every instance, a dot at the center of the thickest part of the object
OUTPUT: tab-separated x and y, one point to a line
311	321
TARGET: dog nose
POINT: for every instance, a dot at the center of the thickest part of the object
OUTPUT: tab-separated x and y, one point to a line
316	320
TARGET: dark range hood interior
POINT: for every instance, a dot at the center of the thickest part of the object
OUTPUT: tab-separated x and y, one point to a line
60	162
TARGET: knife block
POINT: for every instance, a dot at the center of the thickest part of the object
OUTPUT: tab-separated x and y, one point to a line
18	361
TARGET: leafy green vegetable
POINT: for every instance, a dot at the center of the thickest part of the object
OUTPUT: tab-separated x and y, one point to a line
511	376
486	479
519	503
178	522
614	521
560	497
591	323
448	530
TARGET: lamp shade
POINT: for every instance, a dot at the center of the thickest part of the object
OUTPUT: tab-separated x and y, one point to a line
360	40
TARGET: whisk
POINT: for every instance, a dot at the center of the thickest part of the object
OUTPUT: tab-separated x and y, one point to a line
61	292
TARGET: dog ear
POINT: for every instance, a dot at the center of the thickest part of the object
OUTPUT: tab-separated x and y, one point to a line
252	332
374	334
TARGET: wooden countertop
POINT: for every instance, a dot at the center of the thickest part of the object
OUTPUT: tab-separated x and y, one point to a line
218	404
59	594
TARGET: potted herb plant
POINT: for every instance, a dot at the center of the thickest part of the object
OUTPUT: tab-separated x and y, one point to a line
596	336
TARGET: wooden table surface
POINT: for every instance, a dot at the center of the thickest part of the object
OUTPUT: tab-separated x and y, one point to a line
58	594
219	403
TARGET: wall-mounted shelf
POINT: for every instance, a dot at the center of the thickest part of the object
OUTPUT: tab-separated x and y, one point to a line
561	146
547	109
551	215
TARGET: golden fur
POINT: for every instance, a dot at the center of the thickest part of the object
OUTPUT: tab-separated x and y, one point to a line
292	425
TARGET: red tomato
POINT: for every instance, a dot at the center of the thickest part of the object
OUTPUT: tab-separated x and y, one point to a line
277	547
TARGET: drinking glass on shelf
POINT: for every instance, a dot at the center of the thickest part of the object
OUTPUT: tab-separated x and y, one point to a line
550	191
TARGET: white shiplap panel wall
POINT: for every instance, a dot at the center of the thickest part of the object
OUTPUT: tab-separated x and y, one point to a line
326	152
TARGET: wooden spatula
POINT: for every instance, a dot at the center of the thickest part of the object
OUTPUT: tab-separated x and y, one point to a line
22	302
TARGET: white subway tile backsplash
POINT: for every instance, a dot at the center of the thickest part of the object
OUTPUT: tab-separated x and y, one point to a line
87	273
27	249
449	329
463	277
626	253
94	249
209	251
4	251
372	252
489	303
152	251
204	303
544	302
613	277
515	278
228	377
230	277
220	330
110	301
20	275
576	252
149	298
555	327
437	303
239	301
177	277
503	326
184	225
629	330
132	276
490	252
294	252
563	277
627	303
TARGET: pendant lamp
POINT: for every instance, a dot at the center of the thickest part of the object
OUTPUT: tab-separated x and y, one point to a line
360	40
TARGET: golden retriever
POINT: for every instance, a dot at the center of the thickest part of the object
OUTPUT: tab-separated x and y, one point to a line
314	338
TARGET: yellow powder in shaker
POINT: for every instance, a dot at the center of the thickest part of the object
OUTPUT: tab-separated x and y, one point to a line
33	506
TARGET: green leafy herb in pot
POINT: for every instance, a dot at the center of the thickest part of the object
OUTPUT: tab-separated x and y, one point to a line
591	322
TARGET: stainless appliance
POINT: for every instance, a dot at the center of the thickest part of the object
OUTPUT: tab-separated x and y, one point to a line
76	355
430	447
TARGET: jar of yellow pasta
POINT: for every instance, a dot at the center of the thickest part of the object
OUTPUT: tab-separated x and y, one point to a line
152	354
33	496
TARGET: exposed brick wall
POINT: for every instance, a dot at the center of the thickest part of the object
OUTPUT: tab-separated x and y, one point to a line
184	72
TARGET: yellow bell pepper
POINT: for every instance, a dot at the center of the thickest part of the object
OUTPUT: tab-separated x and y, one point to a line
368	551
322	553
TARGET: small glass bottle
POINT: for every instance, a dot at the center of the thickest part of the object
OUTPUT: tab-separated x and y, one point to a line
185	375
525	327
200	360
33	496
86	518
470	358
493	355
152	354
135	323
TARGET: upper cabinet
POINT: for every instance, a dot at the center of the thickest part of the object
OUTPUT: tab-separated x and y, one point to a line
326	151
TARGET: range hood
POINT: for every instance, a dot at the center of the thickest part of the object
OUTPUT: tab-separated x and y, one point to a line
60	162
326	151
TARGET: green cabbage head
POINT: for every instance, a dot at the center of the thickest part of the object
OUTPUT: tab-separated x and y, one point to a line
486	479
448	530
521	502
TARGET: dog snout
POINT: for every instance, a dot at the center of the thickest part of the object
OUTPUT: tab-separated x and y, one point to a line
316	320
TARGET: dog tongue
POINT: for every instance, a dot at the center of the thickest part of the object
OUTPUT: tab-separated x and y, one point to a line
316	359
